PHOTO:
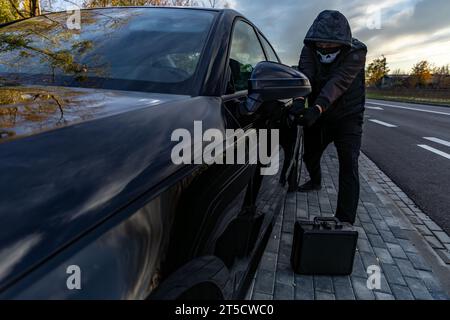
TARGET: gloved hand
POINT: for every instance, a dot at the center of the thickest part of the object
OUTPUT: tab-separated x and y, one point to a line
309	116
296	111
297	107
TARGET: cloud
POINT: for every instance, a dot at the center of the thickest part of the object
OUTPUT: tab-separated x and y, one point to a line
411	30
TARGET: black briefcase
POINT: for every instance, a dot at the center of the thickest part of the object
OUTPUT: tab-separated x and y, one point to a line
323	247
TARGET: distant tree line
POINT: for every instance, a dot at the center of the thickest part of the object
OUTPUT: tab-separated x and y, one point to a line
422	75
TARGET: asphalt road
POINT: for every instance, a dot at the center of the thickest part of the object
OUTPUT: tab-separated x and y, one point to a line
411	144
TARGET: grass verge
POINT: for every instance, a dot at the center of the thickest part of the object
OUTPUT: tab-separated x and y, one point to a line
445	102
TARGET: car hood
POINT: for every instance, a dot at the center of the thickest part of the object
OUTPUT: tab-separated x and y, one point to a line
64	172
31	110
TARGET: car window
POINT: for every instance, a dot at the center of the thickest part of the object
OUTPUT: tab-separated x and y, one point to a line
271	55
246	52
139	49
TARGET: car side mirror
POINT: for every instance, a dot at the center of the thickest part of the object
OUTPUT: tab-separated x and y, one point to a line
271	81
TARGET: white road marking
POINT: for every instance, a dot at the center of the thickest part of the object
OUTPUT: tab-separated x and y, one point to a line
436	151
437	140
374	108
383	123
408	108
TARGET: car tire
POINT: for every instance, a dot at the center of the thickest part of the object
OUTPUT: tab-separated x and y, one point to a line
205	278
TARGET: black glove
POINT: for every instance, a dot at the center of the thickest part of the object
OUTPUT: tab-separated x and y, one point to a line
309	116
297	107
295	112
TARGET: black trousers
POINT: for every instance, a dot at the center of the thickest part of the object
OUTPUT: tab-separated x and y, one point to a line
346	135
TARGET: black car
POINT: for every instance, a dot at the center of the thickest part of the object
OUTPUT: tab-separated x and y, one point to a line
91	204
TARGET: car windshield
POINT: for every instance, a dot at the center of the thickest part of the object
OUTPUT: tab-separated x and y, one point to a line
138	49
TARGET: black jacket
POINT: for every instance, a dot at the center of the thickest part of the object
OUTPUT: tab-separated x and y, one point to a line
339	87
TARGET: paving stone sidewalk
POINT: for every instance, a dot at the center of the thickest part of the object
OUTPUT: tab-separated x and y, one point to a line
411	250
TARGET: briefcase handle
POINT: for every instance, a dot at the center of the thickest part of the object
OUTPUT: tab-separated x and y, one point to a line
325	220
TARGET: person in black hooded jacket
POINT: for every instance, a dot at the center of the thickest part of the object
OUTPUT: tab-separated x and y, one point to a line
334	62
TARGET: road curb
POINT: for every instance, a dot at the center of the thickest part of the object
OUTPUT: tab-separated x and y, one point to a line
393	234
422	237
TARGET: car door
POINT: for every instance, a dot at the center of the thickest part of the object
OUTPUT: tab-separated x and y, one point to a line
249	47
245	53
217	195
222	212
261	196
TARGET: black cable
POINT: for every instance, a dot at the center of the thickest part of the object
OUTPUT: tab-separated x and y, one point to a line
302	152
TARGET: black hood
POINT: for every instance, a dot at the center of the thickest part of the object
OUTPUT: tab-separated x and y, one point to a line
330	26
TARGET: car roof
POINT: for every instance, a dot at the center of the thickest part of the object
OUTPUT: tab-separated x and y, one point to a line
224	10
231	13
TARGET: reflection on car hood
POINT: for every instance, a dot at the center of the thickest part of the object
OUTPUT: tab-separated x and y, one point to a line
59	184
30	110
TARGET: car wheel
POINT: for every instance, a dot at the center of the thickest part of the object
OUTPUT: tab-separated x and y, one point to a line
205	278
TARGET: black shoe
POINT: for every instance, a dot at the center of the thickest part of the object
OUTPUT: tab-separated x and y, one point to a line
309	186
346	222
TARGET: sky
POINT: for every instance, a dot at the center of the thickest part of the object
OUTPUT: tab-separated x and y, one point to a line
405	31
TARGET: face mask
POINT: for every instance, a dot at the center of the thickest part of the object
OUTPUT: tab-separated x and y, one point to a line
328	57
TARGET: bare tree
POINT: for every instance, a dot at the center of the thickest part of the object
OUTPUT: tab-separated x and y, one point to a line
35	8
26	8
398	72
441	77
216	4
